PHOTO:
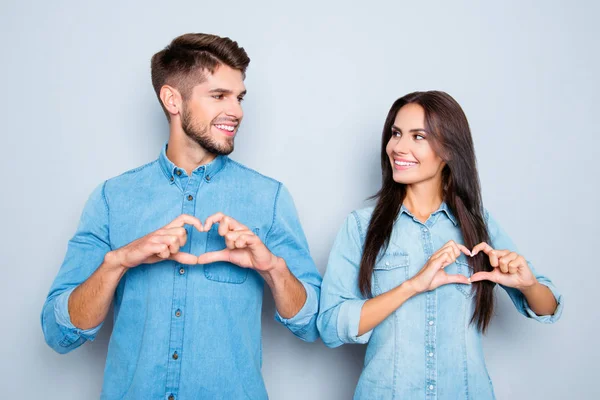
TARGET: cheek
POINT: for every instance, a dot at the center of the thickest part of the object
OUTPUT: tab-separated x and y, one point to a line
426	155
389	148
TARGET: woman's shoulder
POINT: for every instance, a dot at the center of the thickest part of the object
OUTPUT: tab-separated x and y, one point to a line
363	214
357	222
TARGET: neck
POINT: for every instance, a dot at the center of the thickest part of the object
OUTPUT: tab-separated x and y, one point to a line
423	198
185	152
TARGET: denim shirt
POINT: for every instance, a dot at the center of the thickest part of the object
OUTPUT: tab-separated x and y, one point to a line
426	349
183	331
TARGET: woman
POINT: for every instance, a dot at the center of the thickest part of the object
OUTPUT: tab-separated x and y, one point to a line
414	276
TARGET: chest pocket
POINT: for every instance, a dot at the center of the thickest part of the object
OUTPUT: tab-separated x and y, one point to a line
461	266
223	271
390	271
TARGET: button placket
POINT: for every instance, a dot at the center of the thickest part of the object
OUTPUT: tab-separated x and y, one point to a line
180	291
430	327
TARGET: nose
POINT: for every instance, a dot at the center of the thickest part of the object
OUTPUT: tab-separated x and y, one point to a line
402	145
234	109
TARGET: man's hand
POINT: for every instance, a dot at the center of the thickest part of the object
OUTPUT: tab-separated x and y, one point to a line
243	247
163	244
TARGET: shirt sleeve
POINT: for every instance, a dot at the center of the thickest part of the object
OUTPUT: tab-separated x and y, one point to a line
500	240
85	253
341	300
286	239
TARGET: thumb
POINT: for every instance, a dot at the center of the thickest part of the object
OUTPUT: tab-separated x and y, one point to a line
483	276
458	278
214	256
184	258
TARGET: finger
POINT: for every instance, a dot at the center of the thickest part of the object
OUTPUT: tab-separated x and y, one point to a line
161	250
464	249
518	262
180	232
492	254
443	260
215	218
232	236
224	226
448	257
483	276
505	260
222	219
458	248
245	241
171	241
184	258
483	246
214	256
185	219
455	250
229	224
447	246
458	278
495	256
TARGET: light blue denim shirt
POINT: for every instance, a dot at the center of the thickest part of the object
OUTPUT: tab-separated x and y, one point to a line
426	349
189	332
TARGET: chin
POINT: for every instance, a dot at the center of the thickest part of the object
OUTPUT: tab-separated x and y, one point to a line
404	180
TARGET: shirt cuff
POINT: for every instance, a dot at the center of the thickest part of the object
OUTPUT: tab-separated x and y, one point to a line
61	313
308	311
546	319
348	320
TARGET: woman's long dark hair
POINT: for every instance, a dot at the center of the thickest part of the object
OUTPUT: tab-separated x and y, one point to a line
450	137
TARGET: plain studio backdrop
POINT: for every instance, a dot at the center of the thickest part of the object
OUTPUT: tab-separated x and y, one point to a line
78	108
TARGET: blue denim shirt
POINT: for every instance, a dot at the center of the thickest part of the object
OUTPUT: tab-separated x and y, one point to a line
190	332
426	349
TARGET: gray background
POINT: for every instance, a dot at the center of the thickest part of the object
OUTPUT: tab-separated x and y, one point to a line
77	107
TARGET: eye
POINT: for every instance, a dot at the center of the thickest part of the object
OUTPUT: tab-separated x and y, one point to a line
240	99
396	133
419	137
217	96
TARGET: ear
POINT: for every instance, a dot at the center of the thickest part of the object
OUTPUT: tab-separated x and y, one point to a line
171	99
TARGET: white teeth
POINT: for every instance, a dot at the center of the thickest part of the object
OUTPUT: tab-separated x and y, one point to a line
404	163
226	127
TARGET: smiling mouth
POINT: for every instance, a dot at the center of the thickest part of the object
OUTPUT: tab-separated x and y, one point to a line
229	130
403	165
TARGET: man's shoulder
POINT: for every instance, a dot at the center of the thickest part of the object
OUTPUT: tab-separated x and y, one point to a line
134	177
251	175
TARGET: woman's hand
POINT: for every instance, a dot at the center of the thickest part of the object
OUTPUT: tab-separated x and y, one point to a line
510	268
432	275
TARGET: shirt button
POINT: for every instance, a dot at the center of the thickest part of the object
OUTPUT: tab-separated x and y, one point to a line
430	354
172	179
190	197
175	356
171	397
181	271
178	172
430	322
430	387
178	313
208	177
387	263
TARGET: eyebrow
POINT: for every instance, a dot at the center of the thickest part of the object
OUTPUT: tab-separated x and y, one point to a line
226	91
412	130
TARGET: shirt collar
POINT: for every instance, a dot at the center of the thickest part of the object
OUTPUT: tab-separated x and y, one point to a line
442	209
172	171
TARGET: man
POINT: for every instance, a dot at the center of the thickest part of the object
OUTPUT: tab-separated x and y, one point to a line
183	245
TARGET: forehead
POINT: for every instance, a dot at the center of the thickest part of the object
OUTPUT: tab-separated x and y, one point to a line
223	77
411	116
